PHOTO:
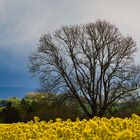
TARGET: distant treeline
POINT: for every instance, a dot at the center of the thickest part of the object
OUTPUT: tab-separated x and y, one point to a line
51	106
44	105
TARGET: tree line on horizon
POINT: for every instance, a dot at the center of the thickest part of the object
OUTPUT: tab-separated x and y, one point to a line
49	106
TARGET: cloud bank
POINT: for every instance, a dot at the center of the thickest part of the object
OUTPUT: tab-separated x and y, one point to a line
23	22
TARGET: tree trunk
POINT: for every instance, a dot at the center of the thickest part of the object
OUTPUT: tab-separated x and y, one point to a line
94	109
102	111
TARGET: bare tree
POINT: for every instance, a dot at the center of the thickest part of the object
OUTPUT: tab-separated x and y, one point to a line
93	61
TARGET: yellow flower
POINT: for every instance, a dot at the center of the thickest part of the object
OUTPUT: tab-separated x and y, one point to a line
93	129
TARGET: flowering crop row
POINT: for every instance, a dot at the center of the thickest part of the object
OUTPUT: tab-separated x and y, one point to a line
93	129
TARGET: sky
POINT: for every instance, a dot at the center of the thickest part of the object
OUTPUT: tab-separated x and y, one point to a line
22	22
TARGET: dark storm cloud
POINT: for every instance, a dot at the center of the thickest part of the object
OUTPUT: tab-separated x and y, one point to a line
14	70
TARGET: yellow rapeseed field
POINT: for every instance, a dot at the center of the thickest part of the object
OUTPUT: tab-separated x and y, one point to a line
93	129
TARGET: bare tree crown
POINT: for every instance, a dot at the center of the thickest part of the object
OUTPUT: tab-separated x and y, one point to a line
94	61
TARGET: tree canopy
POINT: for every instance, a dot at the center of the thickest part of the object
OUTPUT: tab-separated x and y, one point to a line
93	61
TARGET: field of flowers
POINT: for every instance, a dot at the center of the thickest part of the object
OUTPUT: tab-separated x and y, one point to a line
93	129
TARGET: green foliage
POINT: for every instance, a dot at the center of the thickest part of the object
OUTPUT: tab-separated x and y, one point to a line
15	101
51	106
44	105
